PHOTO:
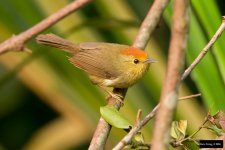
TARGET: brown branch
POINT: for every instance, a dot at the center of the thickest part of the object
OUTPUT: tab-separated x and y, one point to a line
205	49
16	43
103	128
149	24
138	117
169	94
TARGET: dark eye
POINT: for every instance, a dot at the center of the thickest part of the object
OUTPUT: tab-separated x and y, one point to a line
136	61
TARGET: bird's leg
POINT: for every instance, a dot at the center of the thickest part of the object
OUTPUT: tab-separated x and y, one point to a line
114	95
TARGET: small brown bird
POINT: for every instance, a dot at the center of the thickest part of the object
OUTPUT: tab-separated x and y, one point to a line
107	64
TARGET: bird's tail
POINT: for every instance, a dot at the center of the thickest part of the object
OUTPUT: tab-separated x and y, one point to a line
57	42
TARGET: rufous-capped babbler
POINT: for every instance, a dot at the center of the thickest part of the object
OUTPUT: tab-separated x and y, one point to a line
107	64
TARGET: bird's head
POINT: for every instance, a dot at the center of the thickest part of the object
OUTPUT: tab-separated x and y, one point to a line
135	62
136	57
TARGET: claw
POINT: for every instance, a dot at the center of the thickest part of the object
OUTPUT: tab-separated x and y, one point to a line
117	97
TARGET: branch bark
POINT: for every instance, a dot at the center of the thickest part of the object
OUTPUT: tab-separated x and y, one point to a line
150	23
127	139
103	128
16	43
169	94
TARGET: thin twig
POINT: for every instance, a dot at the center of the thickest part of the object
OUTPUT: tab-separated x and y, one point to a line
148	25
190	96
16	43
138	117
135	130
205	49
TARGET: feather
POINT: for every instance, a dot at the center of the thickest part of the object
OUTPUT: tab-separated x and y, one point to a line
57	42
92	62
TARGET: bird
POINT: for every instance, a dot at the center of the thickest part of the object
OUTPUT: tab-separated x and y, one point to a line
107	64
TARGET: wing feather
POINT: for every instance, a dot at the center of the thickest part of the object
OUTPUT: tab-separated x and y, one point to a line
92	62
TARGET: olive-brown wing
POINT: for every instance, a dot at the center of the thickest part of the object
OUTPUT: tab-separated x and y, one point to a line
96	63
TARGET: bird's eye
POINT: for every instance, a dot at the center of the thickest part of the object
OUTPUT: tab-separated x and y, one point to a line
136	61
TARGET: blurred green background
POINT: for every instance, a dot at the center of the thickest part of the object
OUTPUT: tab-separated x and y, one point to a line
48	104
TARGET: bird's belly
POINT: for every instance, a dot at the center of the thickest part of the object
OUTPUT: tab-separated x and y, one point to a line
108	82
116	82
121	82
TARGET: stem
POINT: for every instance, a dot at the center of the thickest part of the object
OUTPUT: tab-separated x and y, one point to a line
190	96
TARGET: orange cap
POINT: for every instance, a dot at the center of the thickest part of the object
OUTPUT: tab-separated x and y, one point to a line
137	53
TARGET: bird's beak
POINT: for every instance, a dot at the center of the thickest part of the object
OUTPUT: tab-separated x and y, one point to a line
149	60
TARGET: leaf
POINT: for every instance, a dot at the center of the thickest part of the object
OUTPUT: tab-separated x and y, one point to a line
182	126
178	129
138	138
114	118
137	142
216	130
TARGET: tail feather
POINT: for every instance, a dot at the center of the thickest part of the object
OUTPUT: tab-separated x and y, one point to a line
57	42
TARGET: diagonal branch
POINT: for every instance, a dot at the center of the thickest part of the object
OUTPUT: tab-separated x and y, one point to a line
149	24
103	128
205	49
127	139
16	43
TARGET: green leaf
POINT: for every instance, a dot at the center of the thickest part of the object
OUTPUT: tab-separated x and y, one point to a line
114	118
178	129
138	138
137	142
216	130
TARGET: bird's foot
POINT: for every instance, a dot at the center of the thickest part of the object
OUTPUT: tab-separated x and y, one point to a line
118	97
